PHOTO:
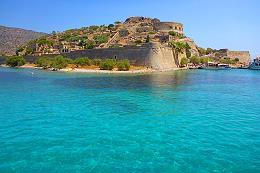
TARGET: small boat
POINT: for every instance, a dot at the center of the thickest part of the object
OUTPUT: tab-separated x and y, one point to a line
215	66
255	65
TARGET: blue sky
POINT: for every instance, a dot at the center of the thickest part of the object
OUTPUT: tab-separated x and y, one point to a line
233	24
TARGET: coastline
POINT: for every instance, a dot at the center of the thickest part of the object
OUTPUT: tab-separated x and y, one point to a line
84	70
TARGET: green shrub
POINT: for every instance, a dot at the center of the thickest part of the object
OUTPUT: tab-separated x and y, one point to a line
123	65
29	51
175	34
44	62
209	51
202	51
117	22
172	33
69	60
138	41
99	39
151	32
204	60
96	62
148	39
89	45
59	62
74	39
195	60
15	61
184	62
93	27
107	64
82	61
111	26
227	60
44	41
123	32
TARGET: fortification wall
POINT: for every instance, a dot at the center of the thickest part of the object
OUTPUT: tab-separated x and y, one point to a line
243	56
169	26
153	55
2	60
137	55
162	57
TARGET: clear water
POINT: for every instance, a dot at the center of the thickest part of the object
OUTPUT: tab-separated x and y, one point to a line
185	121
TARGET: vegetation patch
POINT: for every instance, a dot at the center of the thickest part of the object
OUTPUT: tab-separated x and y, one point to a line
99	39
123	65
15	61
107	64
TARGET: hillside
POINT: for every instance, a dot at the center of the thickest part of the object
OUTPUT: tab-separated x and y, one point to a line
134	31
12	38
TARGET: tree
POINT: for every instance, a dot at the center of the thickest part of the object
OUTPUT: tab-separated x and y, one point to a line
15	61
28	51
117	22
178	47
195	60
82	43
111	26
123	65
187	50
184	62
202	51
20	49
209	51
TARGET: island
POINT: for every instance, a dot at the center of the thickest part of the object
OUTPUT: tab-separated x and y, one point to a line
138	44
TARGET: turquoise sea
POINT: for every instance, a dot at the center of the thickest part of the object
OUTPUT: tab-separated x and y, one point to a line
188	121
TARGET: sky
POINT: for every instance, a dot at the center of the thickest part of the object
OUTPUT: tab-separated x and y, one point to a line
232	24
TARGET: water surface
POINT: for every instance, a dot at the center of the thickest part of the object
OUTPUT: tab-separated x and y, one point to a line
185	122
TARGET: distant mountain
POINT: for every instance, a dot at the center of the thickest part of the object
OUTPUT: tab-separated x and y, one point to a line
12	38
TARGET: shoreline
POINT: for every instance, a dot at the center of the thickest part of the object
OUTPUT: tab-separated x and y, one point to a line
82	70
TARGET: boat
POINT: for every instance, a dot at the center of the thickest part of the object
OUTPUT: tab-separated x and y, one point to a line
255	65
215	66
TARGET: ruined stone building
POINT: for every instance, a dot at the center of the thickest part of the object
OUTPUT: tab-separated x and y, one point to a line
243	56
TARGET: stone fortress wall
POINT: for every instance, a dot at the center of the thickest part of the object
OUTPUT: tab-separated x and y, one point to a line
169	26
243	56
152	55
